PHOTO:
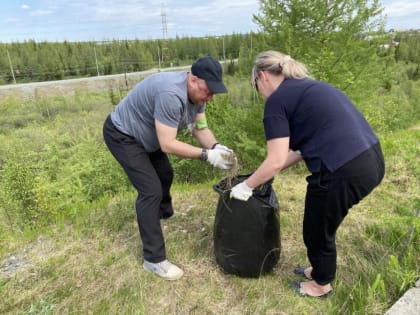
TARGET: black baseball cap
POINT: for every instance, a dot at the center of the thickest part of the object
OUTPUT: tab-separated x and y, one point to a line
210	70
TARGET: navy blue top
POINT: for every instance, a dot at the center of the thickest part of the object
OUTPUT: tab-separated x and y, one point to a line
321	122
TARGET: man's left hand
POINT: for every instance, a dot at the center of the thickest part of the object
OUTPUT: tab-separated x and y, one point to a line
223	147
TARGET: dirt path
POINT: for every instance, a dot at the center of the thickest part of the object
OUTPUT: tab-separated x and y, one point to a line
70	87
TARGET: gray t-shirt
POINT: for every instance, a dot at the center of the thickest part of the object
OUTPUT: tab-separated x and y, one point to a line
161	96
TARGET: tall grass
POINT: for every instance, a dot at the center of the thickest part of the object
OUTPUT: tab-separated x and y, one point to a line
70	243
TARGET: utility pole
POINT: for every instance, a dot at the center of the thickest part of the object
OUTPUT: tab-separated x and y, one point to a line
250	35
11	66
224	55
96	60
158	56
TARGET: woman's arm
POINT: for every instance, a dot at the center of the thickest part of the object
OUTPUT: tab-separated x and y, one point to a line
278	158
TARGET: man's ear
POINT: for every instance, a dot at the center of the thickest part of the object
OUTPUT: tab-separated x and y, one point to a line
194	78
191	79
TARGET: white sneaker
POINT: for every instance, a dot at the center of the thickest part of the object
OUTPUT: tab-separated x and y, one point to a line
164	269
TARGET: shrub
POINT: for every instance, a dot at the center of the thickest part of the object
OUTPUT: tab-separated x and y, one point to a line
17	192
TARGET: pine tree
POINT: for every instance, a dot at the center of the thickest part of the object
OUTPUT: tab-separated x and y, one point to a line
330	36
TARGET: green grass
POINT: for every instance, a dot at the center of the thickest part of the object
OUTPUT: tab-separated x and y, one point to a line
97	267
84	255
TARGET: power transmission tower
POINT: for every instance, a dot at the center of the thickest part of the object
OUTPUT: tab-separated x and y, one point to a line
164	25
164	33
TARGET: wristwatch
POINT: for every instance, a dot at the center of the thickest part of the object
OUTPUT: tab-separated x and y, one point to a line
203	155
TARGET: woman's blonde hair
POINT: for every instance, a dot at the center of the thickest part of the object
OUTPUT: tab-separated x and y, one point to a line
278	63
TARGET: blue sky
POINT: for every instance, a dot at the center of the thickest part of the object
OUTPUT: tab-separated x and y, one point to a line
79	20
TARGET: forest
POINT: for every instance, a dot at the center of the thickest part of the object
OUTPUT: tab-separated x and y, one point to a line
44	61
31	61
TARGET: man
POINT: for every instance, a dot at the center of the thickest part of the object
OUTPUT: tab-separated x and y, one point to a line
142	130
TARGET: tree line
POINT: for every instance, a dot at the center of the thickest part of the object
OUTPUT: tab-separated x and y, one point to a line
32	61
339	40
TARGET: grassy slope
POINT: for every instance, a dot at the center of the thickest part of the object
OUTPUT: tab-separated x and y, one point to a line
94	266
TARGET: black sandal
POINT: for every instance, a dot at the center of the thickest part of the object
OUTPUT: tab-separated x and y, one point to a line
300	271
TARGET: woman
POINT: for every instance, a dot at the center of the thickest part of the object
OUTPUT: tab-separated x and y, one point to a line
312	121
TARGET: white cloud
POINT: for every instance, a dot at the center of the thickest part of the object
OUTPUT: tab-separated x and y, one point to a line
41	12
212	17
103	19
402	8
11	20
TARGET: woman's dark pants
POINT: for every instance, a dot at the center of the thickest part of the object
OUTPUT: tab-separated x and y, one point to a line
329	197
151	174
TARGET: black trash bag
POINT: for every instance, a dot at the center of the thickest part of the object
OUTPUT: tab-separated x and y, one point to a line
247	233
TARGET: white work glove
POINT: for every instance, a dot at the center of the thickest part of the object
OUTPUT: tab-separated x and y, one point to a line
221	158
241	192
222	147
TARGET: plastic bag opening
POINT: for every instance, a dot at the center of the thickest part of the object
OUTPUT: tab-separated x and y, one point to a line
263	192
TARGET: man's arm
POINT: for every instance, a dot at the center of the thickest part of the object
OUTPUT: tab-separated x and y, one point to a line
202	133
169	144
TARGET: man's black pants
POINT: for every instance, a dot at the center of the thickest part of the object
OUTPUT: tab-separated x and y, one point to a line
329	197
151	174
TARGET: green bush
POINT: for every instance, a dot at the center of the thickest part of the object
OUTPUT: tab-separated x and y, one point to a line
238	126
17	192
91	173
